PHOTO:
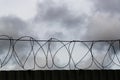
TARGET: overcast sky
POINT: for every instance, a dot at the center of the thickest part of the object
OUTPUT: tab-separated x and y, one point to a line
82	19
61	19
45	18
96	19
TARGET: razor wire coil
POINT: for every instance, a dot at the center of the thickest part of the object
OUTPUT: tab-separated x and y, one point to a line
52	47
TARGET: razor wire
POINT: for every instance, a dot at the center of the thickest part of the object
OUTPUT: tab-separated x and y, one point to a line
58	54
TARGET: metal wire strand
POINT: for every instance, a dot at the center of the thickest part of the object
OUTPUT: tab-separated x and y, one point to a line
45	52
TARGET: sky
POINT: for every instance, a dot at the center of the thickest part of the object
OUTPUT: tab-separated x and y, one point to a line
61	19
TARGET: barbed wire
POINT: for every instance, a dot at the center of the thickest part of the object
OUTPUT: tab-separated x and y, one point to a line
29	53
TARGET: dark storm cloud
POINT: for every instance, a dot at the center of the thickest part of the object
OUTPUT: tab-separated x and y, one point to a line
60	18
103	26
112	6
52	13
105	21
12	26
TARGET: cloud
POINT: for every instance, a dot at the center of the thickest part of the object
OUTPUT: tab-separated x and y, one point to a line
112	6
103	26
60	18
52	13
12	26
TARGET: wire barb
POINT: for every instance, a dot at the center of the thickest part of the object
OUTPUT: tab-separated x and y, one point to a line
30	53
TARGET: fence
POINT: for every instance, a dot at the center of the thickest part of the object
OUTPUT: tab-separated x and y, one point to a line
28	53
